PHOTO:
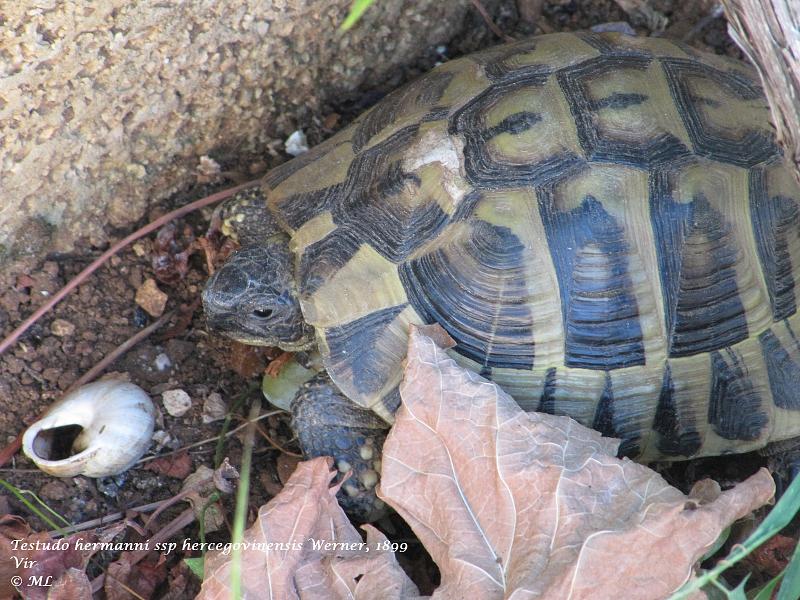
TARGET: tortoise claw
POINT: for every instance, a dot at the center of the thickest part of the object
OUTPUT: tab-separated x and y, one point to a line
328	424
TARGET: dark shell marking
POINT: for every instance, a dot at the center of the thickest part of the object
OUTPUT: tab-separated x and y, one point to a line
603	224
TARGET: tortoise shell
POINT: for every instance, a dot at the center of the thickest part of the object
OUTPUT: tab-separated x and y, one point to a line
604	224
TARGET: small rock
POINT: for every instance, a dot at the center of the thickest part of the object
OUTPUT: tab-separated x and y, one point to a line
110	486
163	362
214	408
139	249
151	299
208	170
176	402
296	143
62	328
162	439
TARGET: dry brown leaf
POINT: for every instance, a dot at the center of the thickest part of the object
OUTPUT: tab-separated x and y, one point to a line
531	505
177	582
247	361
72	585
285	466
178	465
197	490
44	564
437	333
12	527
507	503
128	577
383	578
283	558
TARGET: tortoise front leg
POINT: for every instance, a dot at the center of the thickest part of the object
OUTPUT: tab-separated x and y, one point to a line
327	423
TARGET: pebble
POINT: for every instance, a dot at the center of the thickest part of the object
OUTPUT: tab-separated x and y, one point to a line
151	299
62	328
162	439
214	408
139	249
163	362
176	402
296	144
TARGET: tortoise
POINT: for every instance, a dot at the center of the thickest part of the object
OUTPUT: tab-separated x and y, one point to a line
604	224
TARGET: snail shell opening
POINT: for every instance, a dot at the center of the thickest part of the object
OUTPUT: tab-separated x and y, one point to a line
98	430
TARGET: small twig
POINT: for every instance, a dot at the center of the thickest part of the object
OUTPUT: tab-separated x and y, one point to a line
80	277
491	24
33	374
108	519
166	532
275	444
177	498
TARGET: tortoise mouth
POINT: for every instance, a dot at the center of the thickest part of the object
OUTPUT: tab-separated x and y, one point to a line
233	329
298	346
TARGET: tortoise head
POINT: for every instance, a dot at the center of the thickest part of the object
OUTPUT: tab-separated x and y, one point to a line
253	299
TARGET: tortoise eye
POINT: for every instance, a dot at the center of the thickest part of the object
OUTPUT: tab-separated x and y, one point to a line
263	313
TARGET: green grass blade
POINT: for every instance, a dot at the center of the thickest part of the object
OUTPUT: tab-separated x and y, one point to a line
196	566
226	424
44	505
242	498
790	588
777	519
765	593
20	495
738	593
357	9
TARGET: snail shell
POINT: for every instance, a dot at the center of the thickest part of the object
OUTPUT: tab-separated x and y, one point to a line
100	429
